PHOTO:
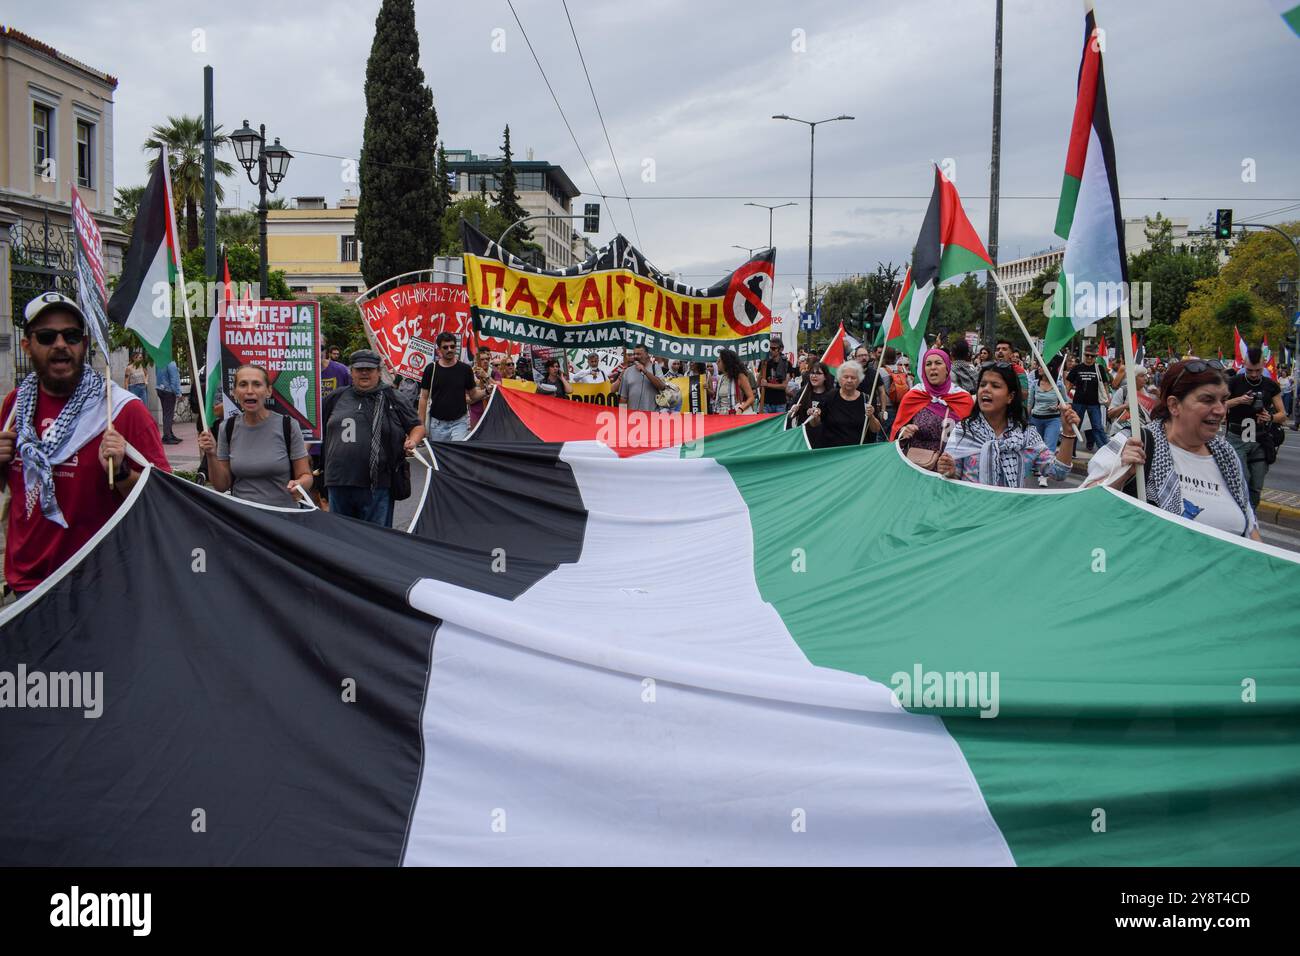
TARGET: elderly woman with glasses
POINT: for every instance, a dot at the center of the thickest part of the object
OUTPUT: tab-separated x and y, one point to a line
1190	471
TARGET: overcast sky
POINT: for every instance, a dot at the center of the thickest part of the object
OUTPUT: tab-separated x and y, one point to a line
1195	86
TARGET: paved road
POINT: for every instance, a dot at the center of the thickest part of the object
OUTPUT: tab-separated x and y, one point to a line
1284	474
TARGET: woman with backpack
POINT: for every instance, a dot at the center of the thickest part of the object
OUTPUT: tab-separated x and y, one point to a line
258	455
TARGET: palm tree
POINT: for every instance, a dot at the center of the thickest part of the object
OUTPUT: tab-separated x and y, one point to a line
126	203
183	137
237	228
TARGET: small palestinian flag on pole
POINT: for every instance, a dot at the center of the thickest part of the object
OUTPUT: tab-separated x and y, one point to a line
213	392
1103	353
948	246
840	348
1094	274
1270	363
152	268
891	328
1238	349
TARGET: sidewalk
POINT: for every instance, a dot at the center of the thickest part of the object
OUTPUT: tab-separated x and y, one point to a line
185	456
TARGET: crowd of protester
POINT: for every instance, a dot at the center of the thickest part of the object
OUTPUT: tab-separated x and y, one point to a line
1205	440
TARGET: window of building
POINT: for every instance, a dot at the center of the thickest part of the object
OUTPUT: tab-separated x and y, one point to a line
297	288
42	147
85	153
483	181
349	252
348	288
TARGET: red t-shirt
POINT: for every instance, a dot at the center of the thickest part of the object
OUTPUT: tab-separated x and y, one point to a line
35	546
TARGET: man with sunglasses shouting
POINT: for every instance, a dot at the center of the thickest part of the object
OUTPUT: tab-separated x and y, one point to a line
56	446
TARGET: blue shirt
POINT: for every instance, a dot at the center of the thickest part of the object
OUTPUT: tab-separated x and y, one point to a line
169	379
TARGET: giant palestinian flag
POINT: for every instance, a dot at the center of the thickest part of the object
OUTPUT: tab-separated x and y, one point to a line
143	299
947	246
617	298
599	646
1093	282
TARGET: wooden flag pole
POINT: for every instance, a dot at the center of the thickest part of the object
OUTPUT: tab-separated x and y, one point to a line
1078	435
1130	383
108	408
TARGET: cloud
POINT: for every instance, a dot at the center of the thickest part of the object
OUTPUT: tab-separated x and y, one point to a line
692	86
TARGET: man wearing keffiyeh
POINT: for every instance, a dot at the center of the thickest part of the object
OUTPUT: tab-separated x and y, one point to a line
56	449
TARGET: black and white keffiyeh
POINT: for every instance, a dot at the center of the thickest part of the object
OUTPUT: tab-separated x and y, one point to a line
1163	487
1000	460
65	436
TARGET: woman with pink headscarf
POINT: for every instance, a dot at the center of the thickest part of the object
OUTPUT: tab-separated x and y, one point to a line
918	426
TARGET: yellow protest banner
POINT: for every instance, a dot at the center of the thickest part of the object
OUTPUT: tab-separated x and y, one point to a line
618	299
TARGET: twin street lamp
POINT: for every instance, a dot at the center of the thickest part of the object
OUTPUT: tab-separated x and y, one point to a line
770	210
812	143
272	163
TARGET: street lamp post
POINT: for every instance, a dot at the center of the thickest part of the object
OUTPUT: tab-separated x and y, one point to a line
770	210
812	147
749	250
272	163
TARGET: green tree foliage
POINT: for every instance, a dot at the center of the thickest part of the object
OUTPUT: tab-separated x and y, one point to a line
846	301
396	208
484	216
841	302
340	323
126	203
237	228
183	137
1243	294
958	308
1168	275
1160	339
441	196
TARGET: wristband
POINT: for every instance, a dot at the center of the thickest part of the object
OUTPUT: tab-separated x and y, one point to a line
122	473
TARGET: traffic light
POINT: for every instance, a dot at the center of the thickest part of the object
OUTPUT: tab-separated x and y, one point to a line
591	217
1223	224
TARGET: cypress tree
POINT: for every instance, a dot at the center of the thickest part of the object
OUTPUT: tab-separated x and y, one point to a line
395	216
508	198
441	197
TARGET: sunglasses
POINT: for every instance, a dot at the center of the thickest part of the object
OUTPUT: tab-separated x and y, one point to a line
1196	367
70	336
999	365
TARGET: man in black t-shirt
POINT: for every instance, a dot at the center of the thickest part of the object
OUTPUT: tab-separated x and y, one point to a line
774	373
1254	401
1087	378
447	389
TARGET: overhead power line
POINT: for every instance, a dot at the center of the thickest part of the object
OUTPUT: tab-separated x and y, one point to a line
617	168
567	125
